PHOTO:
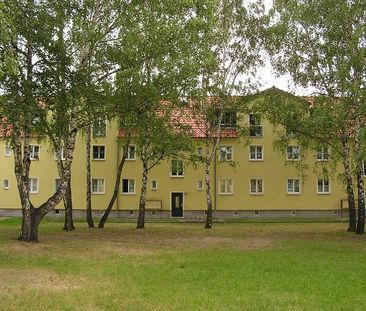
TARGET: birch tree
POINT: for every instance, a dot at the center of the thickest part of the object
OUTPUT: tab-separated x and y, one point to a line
322	45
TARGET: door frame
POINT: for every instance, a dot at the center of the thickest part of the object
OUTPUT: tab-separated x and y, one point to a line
171	207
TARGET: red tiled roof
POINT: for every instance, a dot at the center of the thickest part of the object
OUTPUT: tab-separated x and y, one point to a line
196	124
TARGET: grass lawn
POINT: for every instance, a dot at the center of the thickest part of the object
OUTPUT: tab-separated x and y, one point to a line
242	266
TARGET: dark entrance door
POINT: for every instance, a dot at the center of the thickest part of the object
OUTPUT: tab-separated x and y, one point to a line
177	204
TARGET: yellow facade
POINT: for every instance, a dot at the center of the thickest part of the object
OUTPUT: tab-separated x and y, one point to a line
238	200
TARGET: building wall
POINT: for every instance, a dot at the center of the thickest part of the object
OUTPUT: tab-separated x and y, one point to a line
274	170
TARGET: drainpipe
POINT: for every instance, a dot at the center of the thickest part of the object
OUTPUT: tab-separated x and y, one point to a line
117	164
215	183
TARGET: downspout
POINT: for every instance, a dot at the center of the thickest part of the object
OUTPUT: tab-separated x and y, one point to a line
215	183
117	164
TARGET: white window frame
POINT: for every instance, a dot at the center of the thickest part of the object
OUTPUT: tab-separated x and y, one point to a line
290	156
293	186
32	152
7	151
128	156
226	186
100	134
178	175
256	153
128	186
152	184
31	181
226	153
105	153
62	154
6	180
256	192
199	185
99	191
322	191
322	152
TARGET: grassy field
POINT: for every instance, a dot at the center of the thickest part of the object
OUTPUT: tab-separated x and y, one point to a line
244	266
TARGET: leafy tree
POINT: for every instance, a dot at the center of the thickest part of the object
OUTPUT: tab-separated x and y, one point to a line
321	44
230	53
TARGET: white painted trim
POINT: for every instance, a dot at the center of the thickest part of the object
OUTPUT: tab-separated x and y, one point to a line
300	186
293	160
130	145
256	160
128	193
30	191
39	152
7	154
92	152
91	185
323	193
232	187
250	188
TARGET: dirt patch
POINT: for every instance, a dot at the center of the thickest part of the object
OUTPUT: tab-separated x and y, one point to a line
37	279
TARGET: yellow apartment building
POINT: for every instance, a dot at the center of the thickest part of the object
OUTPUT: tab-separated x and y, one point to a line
248	180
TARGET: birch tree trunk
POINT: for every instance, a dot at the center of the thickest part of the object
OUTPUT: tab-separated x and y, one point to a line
349	184
116	188
69	223
141	216
89	214
208	224
360	184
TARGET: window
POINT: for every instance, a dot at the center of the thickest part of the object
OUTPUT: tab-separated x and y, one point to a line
154	184
256	186
131	212
322	154
225	186
177	169
199	184
62	154
98	152
255	126
57	184
293	153
97	185
131	154
7	151
236	213
128	186
228	119
199	151
34	152
33	185
256	153
226	153
6	184
323	186
293	186
100	127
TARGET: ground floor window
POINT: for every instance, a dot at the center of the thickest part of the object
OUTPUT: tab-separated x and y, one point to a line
97	185
256	186
33	185
293	186
128	186
323	186
225	186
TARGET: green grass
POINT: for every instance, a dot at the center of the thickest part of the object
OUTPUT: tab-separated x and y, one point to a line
176	266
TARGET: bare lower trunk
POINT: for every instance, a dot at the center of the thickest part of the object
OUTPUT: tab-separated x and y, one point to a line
349	183
69	223
116	188
208	224
141	217
361	203
360	184
89	214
